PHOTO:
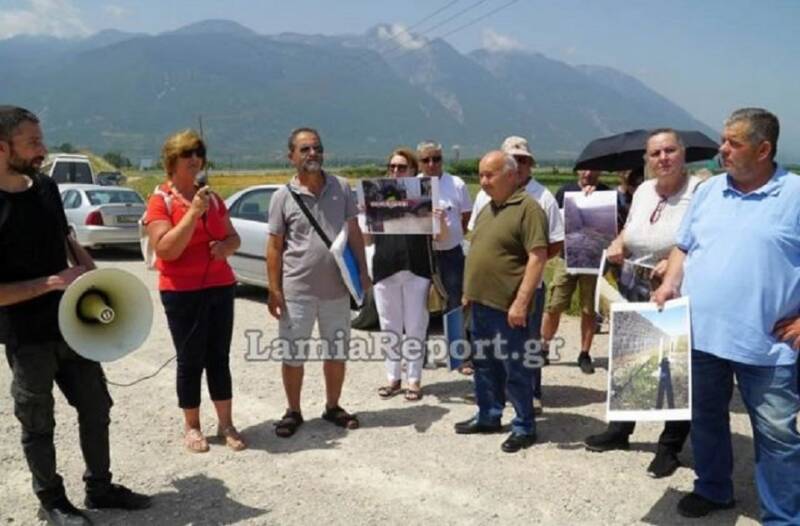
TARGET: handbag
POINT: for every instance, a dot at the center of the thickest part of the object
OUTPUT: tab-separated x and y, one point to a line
354	305
437	294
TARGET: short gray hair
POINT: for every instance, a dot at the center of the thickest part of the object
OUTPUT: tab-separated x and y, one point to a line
762	126
428	145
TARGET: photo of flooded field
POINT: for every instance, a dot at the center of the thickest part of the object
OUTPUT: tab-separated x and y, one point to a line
650	362
590	224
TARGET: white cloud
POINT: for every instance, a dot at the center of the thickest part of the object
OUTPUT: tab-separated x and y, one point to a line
58	18
494	41
116	11
399	35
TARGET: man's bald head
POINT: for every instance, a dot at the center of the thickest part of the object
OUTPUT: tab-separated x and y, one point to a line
498	175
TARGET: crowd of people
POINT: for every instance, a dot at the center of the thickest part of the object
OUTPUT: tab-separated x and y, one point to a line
731	243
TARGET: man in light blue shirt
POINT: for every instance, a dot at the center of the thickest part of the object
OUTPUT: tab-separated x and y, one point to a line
738	259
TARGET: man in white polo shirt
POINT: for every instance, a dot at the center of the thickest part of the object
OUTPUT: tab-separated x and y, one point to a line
456	205
518	148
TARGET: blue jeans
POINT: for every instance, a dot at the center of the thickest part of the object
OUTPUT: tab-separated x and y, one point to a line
770	395
535	333
500	370
451	269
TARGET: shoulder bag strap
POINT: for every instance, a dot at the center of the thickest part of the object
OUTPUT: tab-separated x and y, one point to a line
310	217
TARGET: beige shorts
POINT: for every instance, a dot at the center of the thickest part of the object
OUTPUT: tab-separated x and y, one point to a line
563	285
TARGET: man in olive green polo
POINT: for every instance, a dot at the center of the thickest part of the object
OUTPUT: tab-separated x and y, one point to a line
508	250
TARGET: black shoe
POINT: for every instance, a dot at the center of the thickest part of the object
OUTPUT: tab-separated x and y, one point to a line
118	496
546	358
585	363
471	427
515	442
694	506
63	513
664	464
606	441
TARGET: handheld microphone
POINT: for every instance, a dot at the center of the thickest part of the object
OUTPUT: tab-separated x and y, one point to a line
201	180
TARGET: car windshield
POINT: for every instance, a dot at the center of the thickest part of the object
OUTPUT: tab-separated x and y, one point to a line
104	197
71	172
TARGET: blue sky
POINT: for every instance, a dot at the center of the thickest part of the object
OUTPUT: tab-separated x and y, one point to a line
708	56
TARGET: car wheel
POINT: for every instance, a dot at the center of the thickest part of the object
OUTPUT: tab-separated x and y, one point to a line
365	318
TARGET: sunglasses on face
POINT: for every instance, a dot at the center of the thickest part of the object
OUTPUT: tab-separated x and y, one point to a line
399	167
307	149
187	154
432	160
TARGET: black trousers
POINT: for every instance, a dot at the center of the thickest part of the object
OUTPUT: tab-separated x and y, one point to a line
201	324
35	367
671	439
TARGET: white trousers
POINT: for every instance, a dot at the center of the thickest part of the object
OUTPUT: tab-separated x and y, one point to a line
402	304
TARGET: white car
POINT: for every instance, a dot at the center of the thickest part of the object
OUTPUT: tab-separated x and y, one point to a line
102	215
248	209
69	168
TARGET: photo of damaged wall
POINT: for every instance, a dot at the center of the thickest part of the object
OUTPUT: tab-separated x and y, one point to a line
649	366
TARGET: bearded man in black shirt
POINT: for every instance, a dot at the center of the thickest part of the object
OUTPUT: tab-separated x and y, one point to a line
34	250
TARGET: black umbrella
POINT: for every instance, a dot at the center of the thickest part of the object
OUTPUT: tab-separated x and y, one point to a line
625	151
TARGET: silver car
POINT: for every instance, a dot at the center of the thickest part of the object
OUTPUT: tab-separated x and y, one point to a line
102	215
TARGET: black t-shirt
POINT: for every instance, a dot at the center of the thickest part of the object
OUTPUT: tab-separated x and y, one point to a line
32	239
394	253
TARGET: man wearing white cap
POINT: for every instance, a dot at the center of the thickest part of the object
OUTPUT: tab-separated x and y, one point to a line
518	148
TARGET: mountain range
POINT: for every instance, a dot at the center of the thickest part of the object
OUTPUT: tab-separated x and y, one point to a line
365	93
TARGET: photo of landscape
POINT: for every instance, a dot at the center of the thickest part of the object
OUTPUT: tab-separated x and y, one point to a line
590	224
650	362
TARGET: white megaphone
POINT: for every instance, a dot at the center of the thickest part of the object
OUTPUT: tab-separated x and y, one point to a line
105	314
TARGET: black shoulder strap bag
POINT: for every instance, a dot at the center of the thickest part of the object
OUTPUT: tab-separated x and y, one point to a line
322	235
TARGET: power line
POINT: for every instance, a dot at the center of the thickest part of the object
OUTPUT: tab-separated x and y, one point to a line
475	21
462	27
428	17
437	26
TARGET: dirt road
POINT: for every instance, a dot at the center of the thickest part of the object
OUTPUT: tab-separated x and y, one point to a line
404	466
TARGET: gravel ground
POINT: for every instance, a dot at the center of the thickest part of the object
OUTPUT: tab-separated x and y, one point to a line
404	466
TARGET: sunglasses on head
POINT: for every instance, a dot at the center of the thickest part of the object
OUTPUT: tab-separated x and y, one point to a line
307	149
198	151
656	215
434	159
398	167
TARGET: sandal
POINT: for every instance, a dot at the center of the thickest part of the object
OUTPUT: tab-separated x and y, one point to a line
388	391
340	417
413	395
288	423
232	438
194	441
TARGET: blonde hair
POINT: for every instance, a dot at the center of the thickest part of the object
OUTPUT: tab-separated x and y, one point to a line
408	155
178	143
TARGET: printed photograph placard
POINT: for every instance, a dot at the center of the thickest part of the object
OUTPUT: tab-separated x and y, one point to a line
649	362
606	291
635	282
402	205
590	224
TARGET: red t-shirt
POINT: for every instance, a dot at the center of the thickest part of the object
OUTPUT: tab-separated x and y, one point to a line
194	269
